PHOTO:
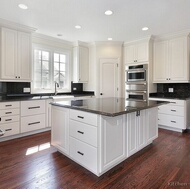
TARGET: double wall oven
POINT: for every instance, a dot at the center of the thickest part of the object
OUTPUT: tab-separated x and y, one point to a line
136	83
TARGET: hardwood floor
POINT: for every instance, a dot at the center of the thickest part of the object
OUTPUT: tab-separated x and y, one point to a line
163	164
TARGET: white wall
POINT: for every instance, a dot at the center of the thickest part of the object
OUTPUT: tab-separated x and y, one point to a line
100	50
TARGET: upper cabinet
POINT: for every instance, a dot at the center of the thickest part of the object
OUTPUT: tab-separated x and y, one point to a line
80	64
136	52
171	60
15	55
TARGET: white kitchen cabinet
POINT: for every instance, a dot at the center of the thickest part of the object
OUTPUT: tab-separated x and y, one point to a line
173	116
33	114
80	64
136	52
171	60
113	139
60	131
15	55
136	132
9	119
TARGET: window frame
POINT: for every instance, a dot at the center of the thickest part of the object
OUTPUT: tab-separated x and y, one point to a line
51	50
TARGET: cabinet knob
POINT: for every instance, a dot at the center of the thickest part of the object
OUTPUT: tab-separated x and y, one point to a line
19	77
101	93
15	76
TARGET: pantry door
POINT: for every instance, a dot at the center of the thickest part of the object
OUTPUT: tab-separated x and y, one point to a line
109	77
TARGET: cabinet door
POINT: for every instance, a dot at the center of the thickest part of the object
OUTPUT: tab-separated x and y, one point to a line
9	53
160	73
112	141
132	145
142	52
24	56
152	124
129	53
178	59
141	130
60	127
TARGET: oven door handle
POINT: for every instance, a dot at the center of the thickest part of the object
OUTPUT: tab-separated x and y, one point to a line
134	92
136	71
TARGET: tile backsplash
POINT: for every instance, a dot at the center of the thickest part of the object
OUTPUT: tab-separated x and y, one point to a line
179	88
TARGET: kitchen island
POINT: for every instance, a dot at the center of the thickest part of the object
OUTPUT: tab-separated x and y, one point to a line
100	133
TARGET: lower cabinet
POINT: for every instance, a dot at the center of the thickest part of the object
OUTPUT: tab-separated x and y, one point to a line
60	131
103	143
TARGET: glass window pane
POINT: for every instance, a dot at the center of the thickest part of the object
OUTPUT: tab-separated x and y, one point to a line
56	66
62	67
37	65
56	57
45	65
62	58
37	84
37	54
56	76
45	55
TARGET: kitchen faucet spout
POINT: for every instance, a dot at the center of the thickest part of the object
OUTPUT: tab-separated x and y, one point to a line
56	85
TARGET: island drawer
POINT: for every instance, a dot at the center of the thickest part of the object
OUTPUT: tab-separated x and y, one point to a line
83	132
33	107
9	105
171	121
84	117
31	123
8	112
171	110
84	154
9	119
10	129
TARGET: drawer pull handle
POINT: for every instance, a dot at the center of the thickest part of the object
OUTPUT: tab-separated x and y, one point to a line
8	120
173	110
80	153
80	117
1	132
8	105
8	129
80	132
8	112
173	121
34	123
34	107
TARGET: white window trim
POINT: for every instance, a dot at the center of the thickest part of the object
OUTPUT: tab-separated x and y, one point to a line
52	50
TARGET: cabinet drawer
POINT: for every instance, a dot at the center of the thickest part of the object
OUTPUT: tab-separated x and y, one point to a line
177	102
84	117
8	112
84	154
171	121
9	119
83	132
9	105
33	107
31	123
10	129
171	110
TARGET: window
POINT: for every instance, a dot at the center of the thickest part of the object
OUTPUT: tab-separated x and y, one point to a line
50	66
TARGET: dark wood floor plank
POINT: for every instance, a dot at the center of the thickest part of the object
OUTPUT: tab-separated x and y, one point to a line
163	164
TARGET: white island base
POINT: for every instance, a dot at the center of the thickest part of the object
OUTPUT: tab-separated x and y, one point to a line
99	142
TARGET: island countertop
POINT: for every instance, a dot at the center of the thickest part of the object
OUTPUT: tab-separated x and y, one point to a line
107	106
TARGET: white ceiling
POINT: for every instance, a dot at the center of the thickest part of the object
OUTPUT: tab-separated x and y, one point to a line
51	17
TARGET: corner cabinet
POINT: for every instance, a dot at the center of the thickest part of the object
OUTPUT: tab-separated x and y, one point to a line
80	64
15	55
171	60
136	52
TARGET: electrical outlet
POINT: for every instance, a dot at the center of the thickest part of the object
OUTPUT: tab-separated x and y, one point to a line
74	89
26	90
171	90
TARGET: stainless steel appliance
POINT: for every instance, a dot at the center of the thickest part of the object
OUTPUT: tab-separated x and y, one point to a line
136	73
136	83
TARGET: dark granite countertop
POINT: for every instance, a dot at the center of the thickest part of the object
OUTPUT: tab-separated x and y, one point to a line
23	97
179	96
107	106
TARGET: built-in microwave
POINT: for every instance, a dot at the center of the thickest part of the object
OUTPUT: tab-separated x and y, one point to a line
136	73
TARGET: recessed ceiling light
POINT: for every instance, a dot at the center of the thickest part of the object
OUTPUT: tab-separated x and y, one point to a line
78	27
145	28
59	35
108	12
109	39
23	6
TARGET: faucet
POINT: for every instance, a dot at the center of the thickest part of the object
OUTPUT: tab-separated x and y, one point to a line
56	85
